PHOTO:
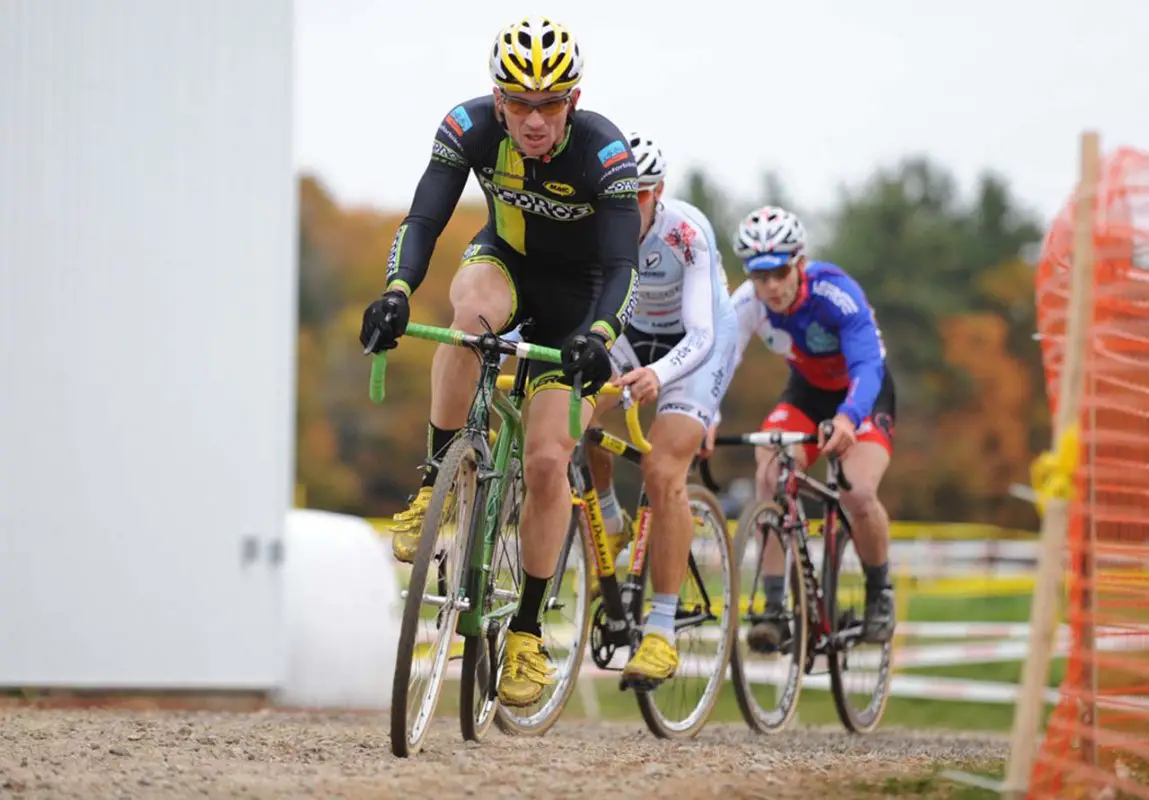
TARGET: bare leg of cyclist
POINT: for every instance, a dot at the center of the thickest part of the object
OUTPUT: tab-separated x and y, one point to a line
864	464
674	439
767	635
544	522
480	289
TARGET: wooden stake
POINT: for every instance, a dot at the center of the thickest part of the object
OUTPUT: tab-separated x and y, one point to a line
1055	523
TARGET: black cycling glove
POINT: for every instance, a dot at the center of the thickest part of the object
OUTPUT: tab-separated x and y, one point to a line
587	353
388	317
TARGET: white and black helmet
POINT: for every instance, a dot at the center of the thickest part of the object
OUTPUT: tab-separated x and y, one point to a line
648	156
768	238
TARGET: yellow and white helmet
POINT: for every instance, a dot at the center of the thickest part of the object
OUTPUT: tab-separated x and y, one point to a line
535	55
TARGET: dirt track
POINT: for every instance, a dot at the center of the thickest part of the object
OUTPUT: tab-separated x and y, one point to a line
97	754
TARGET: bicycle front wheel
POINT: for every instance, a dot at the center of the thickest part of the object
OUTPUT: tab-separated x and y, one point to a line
768	679
706	622
478	702
429	617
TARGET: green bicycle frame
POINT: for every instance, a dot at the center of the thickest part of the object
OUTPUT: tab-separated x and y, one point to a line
492	470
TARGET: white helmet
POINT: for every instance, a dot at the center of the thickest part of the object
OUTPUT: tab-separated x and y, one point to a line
535	54
649	158
768	238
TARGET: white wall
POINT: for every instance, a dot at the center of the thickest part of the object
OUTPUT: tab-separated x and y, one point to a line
147	317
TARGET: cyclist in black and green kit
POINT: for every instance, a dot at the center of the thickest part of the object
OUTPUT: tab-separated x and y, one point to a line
560	246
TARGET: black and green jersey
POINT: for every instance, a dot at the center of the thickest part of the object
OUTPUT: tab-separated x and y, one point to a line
573	212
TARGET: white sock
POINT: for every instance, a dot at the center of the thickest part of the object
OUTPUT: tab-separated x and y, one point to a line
611	514
661	619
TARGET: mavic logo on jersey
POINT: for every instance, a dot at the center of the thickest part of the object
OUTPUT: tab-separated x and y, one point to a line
445	154
561	189
820	340
459	120
537	204
652	260
836	295
622	186
613	153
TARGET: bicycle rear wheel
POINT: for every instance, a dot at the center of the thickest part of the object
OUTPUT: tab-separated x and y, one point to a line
442	546
705	627
565	626
767	685
844	584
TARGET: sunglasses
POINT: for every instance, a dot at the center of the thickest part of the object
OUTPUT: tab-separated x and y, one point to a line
522	107
777	273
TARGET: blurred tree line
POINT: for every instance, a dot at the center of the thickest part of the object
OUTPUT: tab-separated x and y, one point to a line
945	274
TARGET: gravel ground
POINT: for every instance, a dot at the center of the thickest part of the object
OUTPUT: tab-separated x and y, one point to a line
96	754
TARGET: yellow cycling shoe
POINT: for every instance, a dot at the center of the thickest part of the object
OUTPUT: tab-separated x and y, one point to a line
655	660
526	670
407	525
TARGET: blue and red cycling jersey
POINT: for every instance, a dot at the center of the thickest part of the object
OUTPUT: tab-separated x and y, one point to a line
829	336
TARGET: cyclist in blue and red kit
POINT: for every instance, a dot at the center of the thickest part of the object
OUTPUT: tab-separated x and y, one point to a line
818	318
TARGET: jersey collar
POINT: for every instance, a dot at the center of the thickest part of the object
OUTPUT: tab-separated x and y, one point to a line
803	293
654	220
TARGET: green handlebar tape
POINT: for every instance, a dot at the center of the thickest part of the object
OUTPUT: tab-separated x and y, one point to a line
575	416
378	376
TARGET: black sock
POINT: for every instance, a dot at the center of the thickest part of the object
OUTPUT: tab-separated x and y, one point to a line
877	578
438	440
526	619
775	590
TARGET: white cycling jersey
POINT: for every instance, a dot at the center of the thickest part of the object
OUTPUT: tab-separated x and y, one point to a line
682	290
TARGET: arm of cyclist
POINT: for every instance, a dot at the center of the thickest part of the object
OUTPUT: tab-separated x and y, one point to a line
618	226
865	360
751	317
697	314
435	199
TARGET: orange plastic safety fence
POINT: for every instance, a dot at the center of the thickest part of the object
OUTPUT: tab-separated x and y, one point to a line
1097	740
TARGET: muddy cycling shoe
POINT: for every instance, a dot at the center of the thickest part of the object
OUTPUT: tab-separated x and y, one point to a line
527	670
878	625
407	526
655	661
770	633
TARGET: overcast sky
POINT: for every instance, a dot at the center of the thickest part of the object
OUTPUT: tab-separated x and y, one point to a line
821	91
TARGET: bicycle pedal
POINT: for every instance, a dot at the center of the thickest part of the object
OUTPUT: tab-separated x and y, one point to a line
638	684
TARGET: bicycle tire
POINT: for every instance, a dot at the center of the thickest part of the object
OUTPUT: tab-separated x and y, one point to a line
852	719
511	721
655	720
756	716
477	667
404	742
